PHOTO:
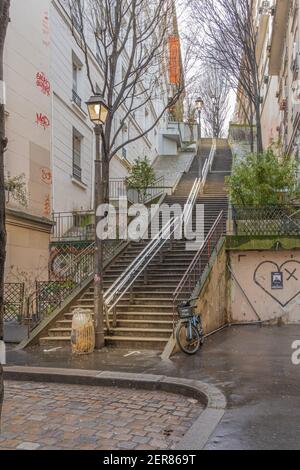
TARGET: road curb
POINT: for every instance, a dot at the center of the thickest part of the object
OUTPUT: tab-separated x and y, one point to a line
209	395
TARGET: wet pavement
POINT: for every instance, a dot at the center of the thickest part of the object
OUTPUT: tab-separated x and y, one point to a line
65	417
251	365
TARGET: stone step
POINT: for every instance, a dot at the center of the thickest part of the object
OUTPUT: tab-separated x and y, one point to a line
160	324
138	343
136	300
124	323
145	307
55	341
141	332
146	320
135	315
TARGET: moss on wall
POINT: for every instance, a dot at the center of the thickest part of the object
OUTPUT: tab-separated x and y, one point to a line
262	243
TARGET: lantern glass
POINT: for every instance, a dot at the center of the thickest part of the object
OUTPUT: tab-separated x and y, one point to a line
97	109
199	104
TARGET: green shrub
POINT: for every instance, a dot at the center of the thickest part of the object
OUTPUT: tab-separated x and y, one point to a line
264	179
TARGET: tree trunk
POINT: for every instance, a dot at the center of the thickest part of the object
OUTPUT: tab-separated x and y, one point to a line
251	131
4	20
258	130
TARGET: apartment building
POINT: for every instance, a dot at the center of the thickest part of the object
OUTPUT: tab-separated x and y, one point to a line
51	139
278	42
27	68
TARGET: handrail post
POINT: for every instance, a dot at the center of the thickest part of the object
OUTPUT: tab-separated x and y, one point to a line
131	295
145	276
28	316
114	317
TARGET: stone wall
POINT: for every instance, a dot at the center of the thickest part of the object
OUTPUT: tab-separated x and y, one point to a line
265	285
213	293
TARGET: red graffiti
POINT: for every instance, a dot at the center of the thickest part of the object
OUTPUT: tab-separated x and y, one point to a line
47	206
43	83
42	120
46	175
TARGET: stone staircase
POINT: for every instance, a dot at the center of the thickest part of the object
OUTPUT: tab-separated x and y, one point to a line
145	317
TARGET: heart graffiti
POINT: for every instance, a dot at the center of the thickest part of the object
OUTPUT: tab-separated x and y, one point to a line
291	277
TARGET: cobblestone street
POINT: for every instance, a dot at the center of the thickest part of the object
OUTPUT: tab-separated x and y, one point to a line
52	416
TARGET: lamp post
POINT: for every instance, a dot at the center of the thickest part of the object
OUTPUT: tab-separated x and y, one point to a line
98	111
216	109
199	106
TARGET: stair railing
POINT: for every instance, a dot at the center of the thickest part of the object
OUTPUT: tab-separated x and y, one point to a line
208	163
121	286
194	272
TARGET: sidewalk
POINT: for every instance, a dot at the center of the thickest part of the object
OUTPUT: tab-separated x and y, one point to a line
251	365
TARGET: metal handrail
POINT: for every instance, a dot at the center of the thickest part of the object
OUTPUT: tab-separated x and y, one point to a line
119	288
113	297
208	164
193	265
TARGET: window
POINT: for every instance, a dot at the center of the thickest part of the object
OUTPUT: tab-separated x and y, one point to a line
77	143
75	77
77	67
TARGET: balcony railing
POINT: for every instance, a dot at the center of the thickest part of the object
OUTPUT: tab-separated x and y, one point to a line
77	172
76	98
73	226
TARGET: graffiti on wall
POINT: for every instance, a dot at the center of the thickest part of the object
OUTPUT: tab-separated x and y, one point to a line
46	29
47	206
46	175
42	120
280	282
43	83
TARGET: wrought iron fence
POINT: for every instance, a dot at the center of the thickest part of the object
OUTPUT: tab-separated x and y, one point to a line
152	192
73	226
269	220
79	226
117	188
13	302
51	294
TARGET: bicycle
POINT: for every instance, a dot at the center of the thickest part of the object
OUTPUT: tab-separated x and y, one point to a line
189	332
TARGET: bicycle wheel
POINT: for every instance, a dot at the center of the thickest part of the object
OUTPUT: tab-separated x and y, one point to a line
188	338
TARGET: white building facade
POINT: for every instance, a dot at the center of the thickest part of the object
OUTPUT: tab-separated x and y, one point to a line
51	139
72	134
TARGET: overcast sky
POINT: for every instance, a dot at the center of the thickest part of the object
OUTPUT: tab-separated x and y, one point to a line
184	22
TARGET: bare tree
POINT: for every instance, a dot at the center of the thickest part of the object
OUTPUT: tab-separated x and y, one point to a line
228	38
215	89
138	30
190	110
4	20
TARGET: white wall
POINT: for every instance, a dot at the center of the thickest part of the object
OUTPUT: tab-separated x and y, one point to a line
27	52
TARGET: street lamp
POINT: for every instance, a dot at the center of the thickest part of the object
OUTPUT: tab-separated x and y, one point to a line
199	106
98	112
